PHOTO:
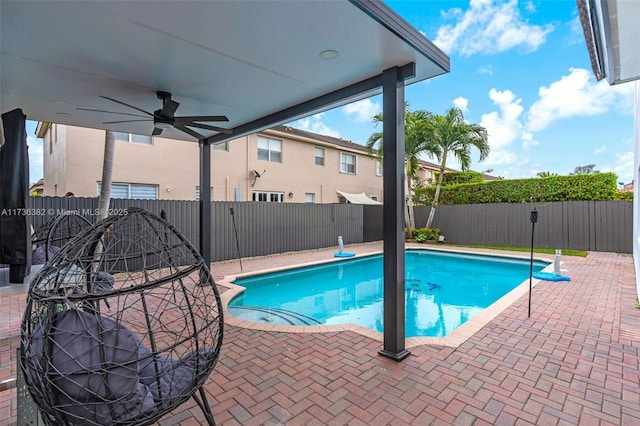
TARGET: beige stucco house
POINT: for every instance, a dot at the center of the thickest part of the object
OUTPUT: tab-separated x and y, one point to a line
283	164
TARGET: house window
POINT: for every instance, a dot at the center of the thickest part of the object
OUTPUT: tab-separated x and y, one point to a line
132	191
269	197
309	197
220	146
269	149
347	163
133	138
319	156
198	193
378	168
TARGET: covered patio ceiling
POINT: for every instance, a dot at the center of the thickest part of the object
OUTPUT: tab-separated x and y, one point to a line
260	63
243	59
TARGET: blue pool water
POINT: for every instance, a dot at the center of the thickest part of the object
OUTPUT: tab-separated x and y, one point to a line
442	291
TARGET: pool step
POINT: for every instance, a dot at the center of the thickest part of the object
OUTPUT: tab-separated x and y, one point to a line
272	315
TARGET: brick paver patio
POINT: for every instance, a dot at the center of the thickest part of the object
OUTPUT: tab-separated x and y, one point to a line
575	361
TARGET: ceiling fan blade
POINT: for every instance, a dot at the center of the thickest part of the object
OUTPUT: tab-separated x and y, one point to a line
188	131
191	118
169	107
207	127
156	131
127	105
110	112
123	121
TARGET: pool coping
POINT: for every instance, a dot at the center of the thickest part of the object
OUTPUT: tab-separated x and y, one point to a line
454	339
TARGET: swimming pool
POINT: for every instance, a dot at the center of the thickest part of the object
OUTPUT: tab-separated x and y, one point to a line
442	291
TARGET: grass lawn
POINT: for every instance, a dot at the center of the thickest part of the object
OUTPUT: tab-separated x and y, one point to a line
568	252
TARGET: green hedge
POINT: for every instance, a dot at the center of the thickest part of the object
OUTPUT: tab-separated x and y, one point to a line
591	187
458	178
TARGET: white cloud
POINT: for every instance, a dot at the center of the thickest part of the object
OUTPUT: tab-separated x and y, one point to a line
35	159
461	103
315	124
487	69
600	150
504	127
362	110
576	94
624	166
489	27
528	141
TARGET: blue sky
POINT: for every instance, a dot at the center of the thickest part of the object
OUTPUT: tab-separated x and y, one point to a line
520	69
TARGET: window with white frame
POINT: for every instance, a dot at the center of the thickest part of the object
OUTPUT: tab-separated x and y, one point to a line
198	193
220	146
269	197
309	197
347	163
319	156
132	191
378	168
269	149
133	138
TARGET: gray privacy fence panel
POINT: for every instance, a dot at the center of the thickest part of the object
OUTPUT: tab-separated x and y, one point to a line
263	228
580	225
614	227
267	228
372	223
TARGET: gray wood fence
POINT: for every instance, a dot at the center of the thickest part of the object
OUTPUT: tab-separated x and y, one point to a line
267	228
582	225
263	228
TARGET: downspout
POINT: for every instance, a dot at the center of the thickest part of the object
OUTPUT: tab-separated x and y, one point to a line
246	177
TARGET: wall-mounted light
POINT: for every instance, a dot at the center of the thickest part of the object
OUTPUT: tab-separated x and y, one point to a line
168	189
290	194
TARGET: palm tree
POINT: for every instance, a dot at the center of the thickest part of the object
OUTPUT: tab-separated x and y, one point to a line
105	188
454	136
415	144
107	173
546	174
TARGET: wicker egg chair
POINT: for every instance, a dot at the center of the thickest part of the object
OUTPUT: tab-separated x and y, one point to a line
121	326
55	233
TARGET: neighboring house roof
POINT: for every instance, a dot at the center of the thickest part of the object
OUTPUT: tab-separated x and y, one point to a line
339	142
38	186
330	140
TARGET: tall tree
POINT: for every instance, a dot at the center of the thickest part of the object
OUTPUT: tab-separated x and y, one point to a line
585	170
105	188
415	144
454	136
107	173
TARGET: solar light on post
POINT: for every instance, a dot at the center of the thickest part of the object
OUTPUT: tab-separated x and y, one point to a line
534	219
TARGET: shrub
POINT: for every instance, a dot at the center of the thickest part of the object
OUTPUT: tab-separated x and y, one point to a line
591	187
422	235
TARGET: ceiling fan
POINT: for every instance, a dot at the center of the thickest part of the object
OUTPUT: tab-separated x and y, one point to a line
165	118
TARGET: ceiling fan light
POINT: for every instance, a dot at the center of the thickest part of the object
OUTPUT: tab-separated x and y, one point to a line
329	54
